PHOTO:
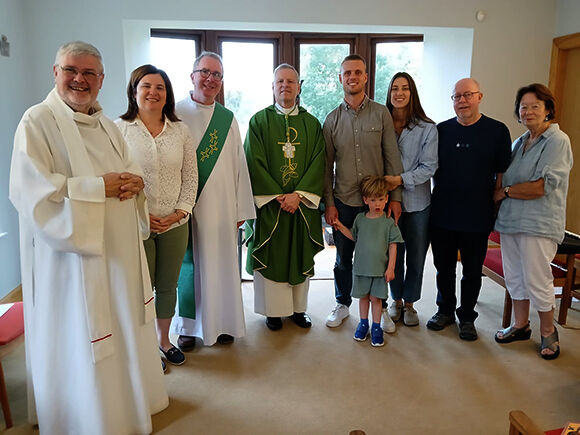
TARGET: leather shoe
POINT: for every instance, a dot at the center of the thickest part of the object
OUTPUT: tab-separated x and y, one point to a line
467	331
302	320
185	343
173	355
274	323
225	339
440	321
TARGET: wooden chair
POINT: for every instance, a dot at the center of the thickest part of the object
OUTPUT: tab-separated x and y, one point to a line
11	336
521	424
563	270
568	264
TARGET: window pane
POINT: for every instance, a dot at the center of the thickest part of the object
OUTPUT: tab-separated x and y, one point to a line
247	85
319	69
393	57
175	57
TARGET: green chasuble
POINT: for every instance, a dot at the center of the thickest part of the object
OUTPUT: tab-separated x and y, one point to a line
285	154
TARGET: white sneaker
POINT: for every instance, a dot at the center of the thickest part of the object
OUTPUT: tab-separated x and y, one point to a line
387	323
410	317
338	314
395	310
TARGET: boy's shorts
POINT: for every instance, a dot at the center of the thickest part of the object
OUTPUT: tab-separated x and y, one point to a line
374	285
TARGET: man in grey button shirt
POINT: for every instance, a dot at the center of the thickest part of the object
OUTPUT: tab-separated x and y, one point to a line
360	141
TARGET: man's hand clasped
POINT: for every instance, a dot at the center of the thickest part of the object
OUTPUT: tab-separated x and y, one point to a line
122	185
289	202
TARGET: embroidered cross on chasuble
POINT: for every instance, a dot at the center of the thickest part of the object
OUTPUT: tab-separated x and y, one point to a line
289	168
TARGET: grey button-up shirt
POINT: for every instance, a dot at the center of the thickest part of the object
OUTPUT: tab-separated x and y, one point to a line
358	143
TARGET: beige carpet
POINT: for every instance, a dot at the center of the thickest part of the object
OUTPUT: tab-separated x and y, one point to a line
321	381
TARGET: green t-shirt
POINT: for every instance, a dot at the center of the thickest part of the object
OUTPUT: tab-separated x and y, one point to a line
372	239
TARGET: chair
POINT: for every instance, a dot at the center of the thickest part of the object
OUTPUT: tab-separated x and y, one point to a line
571	288
11	336
521	424
563	270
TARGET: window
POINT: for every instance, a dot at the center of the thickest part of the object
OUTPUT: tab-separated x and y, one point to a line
175	57
319	66
247	84
392	57
250	57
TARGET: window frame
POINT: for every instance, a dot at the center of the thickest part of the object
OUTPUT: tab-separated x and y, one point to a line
287	44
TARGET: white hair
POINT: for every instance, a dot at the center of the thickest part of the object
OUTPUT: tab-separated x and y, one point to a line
78	48
286	66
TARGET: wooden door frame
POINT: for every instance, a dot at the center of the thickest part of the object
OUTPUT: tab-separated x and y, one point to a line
560	47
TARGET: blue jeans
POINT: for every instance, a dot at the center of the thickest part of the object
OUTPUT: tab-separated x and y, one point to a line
415	231
344	251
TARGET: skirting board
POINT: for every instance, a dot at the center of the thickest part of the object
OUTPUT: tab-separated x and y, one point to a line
14	296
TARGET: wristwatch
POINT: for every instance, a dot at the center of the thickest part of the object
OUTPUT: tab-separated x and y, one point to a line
507	191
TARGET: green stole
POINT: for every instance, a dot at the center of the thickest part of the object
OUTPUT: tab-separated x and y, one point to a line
208	152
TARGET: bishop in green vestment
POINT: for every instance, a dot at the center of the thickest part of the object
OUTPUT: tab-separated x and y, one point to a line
285	153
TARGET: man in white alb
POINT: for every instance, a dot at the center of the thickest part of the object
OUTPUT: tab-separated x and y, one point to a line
91	351
209	290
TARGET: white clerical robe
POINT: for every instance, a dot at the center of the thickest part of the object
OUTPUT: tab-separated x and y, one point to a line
225	200
68	391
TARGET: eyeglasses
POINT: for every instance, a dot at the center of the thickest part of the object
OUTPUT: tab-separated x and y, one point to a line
71	72
205	73
467	95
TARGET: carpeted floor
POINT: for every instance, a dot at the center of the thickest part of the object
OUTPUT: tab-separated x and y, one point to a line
321	381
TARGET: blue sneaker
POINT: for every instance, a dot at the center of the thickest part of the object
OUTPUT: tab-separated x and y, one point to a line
377	335
362	331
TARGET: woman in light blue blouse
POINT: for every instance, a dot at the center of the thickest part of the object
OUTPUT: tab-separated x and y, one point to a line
532	216
417	140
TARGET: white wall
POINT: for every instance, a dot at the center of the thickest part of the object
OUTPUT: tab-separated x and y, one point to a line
15	97
567	17
511	47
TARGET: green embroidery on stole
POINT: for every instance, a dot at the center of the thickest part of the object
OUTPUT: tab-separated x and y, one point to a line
212	143
208	152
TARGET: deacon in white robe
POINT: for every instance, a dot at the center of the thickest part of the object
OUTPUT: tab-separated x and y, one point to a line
91	352
226	200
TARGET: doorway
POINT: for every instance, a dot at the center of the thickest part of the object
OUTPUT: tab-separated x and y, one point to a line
564	83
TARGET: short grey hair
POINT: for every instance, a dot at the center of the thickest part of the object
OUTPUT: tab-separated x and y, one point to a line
208	54
79	48
285	66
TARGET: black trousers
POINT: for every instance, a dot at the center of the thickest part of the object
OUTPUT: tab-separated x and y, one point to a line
472	247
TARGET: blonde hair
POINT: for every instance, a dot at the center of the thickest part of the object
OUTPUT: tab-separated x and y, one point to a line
373	186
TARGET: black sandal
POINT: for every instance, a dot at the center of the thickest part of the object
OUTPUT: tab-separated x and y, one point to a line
512	333
550	342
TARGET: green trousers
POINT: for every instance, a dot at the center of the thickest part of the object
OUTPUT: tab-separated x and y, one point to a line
165	253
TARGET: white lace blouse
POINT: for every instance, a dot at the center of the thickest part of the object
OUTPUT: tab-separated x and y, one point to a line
169	164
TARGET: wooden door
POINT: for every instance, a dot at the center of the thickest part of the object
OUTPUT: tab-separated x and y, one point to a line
565	84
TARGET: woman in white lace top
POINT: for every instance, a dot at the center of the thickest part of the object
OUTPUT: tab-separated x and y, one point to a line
162	145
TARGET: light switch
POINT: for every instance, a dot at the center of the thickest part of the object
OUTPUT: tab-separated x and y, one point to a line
4	46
